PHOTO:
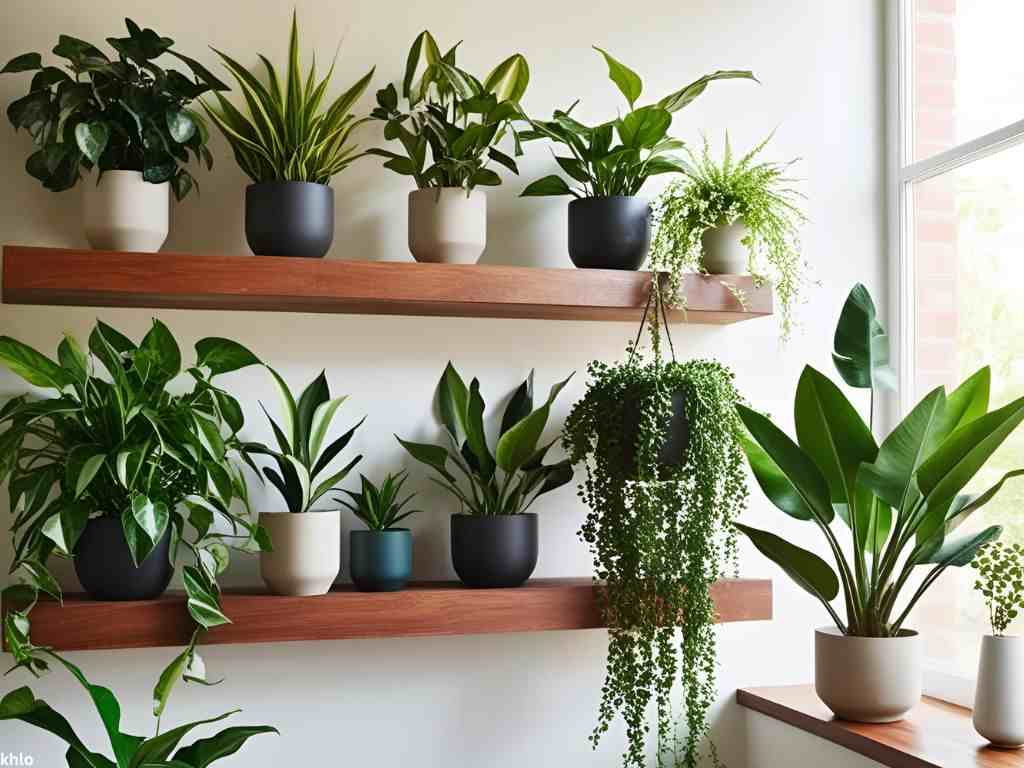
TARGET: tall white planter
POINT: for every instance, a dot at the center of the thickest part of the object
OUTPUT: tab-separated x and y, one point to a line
306	557
867	679
722	249
125	213
999	699
447	226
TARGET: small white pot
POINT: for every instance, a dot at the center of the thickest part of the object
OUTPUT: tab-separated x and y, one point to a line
447	226
306	557
867	679
125	213
723	251
999	699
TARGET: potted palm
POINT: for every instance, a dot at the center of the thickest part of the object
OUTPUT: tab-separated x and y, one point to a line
609	225
128	118
460	120
306	557
494	537
291	145
901	501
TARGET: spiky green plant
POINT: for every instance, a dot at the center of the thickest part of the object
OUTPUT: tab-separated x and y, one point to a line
380	508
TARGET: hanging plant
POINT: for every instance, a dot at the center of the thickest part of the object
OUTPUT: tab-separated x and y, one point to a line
660	530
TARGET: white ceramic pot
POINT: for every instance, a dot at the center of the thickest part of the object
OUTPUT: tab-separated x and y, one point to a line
723	251
867	679
125	213
999	699
306	557
446	226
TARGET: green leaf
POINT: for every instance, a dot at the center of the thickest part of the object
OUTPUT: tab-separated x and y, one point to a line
153	751
289	409
643	128
180	125
160	341
966	403
203	603
518	444
64	527
33	367
433	456
92	139
170	676
547	186
475	436
453	402
960	551
508	80
519	405
963	506
26	62
676	101
628	81
209	437
227	742
152	517
335	448
773	481
140	545
861	345
82	465
322	418
223	355
312	397
21	704
809	571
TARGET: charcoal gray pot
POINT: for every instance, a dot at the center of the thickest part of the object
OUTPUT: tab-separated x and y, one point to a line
494	550
609	232
104	564
289	218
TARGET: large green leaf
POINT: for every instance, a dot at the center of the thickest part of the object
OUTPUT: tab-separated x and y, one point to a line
809	571
644	127
312	397
289	409
519	443
861	346
65	526
773	481
154	750
227	742
628	81
223	355
453	402
679	99
322	418
21	704
508	80
519	405
475	436
965	505
82	466
92	139
966	403
960	551
33	367
434	456
151	516
26	62
160	341
547	186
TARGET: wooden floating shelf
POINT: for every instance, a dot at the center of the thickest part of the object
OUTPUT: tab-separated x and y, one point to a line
185	281
425	609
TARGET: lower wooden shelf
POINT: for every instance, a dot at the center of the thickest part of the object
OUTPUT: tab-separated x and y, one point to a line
424	609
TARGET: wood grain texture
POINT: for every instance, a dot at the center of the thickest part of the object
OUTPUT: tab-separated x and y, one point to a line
429	608
935	735
183	281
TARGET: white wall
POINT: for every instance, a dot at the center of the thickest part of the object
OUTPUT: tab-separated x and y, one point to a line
498	701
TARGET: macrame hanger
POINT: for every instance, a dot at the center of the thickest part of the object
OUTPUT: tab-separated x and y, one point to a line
664	322
643	324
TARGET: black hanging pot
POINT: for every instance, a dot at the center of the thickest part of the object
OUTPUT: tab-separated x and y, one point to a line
609	232
289	218
104	564
674	448
494	550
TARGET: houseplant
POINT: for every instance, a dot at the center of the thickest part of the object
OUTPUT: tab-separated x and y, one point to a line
659	441
307	543
460	120
121	471
729	218
494	538
129	118
380	557
291	146
609	226
998	710
902	502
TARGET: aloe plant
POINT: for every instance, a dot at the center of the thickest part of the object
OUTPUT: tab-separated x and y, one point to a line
523	476
286	135
381	507
901	500
302	456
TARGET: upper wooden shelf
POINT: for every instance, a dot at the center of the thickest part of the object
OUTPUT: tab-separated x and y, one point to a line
430	608
185	281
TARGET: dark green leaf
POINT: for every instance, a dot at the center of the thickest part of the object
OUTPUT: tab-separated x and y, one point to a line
861	346
26	62
549	185
223	355
33	367
809	571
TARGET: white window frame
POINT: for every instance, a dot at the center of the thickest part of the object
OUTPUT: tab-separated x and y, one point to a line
902	173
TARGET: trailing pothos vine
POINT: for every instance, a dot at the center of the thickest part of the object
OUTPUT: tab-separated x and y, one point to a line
661	534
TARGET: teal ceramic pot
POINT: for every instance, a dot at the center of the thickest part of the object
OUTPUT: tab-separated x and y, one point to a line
380	561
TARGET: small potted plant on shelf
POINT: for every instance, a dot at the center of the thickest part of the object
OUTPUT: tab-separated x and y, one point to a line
380	557
901	501
306	557
998	708
609	226
128	118
660	444
460	121
731	218
290	145
494	538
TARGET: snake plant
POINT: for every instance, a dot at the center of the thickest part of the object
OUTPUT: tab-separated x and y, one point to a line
380	507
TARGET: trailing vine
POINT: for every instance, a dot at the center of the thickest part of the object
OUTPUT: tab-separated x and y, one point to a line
661	535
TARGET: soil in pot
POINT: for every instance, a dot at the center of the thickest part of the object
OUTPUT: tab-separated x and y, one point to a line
380	561
609	232
289	218
494	550
674	450
104	563
306	557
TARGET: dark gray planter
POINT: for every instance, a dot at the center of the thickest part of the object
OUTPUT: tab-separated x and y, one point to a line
494	551
289	218
380	561
674	450
609	232
104	564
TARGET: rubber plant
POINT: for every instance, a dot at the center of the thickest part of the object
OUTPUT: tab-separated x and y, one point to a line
126	113
901	500
125	444
659	527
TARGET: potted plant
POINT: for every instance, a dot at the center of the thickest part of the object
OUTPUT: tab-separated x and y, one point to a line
609	226
380	557
306	557
660	444
129	118
494	538
460	120
998	710
730	218
291	146
123	471
902	502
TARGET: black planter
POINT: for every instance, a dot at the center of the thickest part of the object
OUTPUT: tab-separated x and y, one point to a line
494	551
674	449
380	561
609	232
105	568
289	218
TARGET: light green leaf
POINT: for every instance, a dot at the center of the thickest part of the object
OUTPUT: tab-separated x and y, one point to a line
628	81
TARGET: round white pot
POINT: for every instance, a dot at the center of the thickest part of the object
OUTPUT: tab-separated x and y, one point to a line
125	213
722	249
447	226
999	701
306	557
867	679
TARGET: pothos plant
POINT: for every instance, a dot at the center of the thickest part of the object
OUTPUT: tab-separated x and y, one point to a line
126	445
660	530
125	113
